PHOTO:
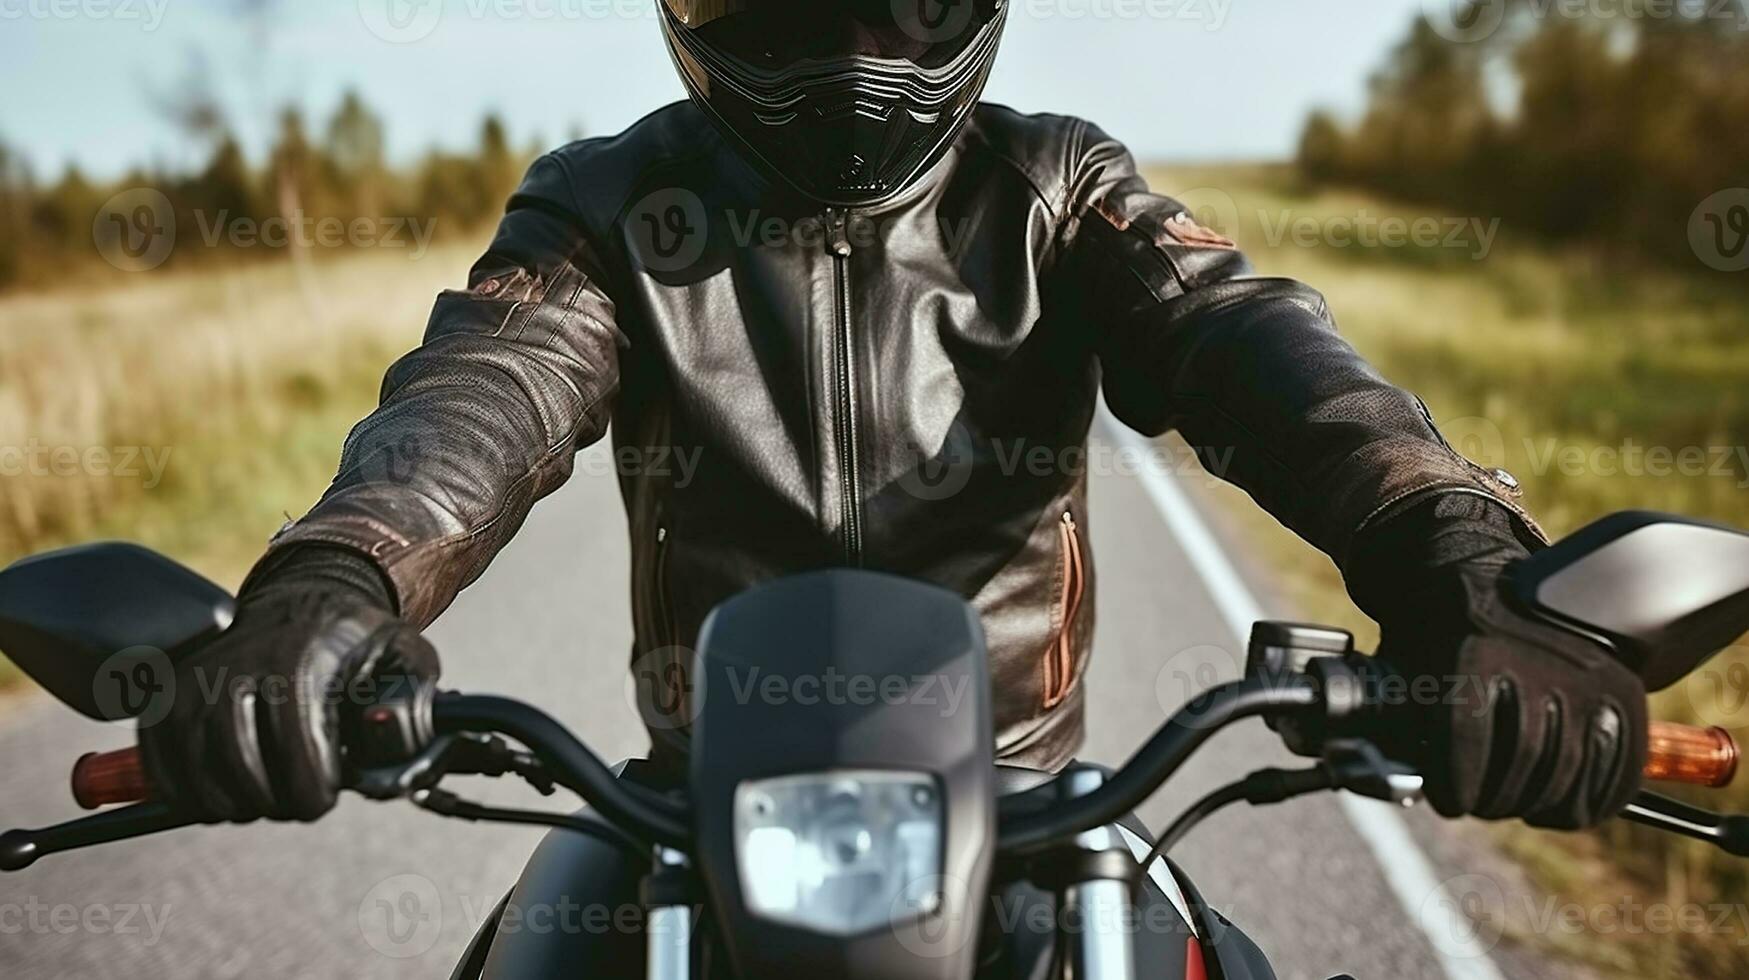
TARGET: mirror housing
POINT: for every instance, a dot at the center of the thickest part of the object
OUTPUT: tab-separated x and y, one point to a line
1665	593
66	616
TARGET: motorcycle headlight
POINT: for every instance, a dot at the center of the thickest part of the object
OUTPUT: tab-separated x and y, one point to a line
840	853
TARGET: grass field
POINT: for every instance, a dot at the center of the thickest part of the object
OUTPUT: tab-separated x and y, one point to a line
1592	389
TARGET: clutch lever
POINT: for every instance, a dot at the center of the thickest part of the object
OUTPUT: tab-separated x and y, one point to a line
19	849
1727	832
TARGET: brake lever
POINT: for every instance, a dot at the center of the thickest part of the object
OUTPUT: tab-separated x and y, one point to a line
458	754
1358	766
1727	832
394	782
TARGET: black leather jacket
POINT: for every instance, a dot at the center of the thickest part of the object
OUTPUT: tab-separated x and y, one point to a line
904	389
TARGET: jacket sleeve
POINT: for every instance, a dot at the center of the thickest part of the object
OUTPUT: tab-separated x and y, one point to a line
1250	370
515	375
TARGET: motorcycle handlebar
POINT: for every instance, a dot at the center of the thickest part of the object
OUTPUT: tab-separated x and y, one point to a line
1675	753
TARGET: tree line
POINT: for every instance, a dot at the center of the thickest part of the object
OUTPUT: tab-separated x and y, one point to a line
339	170
1564	121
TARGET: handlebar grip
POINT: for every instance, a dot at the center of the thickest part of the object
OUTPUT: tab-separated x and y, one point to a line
104	778
1689	754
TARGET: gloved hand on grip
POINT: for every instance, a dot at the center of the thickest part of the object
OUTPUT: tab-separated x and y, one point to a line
254	729
1505	715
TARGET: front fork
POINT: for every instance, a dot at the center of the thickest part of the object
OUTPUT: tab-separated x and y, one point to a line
669	922
1096	880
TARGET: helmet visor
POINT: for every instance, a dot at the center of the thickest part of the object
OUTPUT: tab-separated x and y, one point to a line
773	35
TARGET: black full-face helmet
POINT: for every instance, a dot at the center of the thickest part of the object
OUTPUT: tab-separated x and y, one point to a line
850	101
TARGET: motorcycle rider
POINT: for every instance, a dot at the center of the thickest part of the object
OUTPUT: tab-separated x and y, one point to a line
953	282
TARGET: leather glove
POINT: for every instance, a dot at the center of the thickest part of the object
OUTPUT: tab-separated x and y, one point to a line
1505	715
255	727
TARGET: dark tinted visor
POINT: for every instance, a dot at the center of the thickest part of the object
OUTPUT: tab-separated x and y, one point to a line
776	34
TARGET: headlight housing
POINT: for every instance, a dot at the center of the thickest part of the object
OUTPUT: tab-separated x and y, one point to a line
840	852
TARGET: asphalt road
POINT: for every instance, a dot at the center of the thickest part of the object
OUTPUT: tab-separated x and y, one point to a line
548	624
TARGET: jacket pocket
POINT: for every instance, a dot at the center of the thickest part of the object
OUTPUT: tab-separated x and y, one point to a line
1059	660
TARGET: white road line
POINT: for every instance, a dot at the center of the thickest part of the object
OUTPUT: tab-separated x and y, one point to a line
1405	867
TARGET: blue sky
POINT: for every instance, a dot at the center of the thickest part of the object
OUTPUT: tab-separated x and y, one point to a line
1188	79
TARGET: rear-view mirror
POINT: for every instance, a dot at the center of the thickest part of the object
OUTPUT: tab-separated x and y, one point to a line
1665	592
98	625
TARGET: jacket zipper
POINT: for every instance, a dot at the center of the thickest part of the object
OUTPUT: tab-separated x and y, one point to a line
844	381
1059	664
674	688
664	618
